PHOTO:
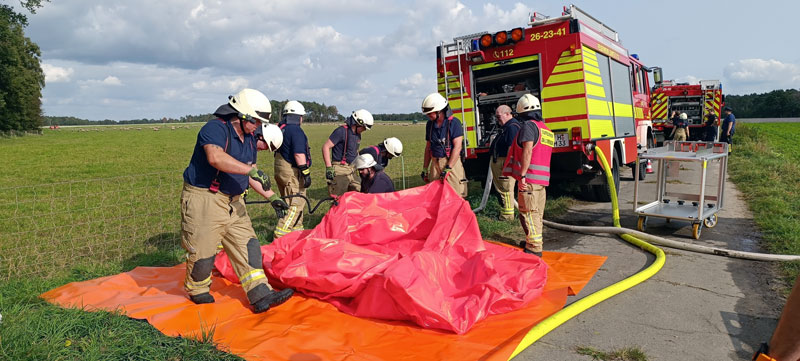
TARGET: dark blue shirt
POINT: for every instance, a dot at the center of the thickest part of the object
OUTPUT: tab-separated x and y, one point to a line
380	183
679	123
729	119
200	173
294	142
503	140
376	151
338	139
442	138
709	132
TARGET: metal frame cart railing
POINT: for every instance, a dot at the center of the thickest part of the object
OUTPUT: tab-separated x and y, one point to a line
689	207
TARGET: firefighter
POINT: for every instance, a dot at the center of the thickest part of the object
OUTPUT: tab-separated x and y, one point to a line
373	178
212	208
709	132
443	136
528	162
728	126
504	185
680	130
292	167
388	149
341	149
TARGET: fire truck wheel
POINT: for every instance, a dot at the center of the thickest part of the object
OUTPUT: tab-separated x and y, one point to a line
602	191
642	171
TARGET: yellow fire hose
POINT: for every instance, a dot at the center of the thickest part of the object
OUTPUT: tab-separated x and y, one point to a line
558	318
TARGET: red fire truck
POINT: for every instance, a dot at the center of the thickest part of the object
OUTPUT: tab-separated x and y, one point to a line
593	93
696	100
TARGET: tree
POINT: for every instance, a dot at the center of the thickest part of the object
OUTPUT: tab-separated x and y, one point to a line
21	75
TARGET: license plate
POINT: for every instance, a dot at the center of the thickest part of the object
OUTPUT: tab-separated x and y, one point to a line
562	140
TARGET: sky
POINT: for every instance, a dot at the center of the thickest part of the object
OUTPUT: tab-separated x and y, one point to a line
122	59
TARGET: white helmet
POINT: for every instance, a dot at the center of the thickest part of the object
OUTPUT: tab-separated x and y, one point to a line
683	116
434	102
365	161
363	118
273	136
393	146
294	107
251	104
528	103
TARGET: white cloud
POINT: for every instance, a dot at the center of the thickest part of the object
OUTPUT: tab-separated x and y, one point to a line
112	80
757	75
56	74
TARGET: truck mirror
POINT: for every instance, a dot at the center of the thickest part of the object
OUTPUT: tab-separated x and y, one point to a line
657	76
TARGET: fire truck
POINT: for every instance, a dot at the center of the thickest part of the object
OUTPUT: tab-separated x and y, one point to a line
696	100
593	94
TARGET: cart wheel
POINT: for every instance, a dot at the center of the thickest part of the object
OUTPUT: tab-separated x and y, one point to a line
696	229
642	224
710	222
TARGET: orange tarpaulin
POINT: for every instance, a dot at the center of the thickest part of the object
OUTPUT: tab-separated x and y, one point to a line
308	329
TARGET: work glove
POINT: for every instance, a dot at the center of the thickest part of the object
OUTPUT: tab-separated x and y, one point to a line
446	170
260	177
329	173
279	205
424	176
306	173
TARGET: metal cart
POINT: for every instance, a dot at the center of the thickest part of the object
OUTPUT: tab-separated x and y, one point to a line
698	208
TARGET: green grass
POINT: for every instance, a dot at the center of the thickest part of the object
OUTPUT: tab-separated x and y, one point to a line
623	354
764	166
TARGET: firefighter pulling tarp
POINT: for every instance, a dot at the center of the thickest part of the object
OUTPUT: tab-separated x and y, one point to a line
413	255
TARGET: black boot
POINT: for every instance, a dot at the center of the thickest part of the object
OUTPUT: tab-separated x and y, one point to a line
539	254
274	298
202	298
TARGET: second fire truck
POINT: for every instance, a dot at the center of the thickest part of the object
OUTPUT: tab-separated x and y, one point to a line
696	100
593	94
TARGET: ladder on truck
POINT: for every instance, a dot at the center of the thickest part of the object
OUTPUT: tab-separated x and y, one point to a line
458	48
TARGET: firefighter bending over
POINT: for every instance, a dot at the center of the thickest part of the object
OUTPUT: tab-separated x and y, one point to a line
212	208
292	163
373	179
381	153
443	136
343	142
504	185
528	162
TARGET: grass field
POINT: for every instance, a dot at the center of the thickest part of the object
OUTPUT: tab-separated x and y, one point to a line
766	168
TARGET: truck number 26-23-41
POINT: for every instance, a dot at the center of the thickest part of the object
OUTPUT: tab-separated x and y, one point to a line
547	34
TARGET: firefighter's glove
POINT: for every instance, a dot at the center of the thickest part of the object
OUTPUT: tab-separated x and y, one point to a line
330	173
260	177
424	176
278	205
305	172
446	170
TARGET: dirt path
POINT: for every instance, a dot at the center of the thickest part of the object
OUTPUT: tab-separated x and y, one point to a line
698	307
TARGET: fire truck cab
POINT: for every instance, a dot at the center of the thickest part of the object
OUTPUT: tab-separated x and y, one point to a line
593	94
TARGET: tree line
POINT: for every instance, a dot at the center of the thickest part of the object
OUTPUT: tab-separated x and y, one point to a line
21	75
774	104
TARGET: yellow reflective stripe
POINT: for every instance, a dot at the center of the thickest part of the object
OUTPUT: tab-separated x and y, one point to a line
564	107
190	284
565	53
587	51
547	137
590	61
577	51
523	59
555	91
592	69
567	67
251	277
593	78
565	77
568	59
704	164
455	102
595	90
601	128
598	107
623	110
639	112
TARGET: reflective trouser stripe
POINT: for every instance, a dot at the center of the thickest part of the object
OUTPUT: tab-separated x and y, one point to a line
287	223
193	285
508	204
251	277
535	236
